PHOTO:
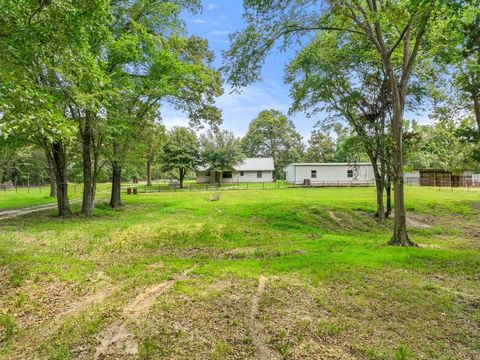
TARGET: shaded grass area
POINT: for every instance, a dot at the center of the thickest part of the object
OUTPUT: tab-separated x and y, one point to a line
334	289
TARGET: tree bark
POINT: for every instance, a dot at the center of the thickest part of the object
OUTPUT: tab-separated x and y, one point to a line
149	173
87	139
181	176
388	190
476	107
51	174
115	199
59	161
400	235
379	187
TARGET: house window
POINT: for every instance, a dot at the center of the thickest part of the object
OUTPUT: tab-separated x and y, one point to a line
227	175
259	174
207	173
241	173
350	173
313	174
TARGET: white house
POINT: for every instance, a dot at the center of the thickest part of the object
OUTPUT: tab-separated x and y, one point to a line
329	173
476	179
250	170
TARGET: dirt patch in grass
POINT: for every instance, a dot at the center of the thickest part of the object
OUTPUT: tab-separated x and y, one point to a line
45	308
298	327
378	315
203	319
419	221
116	340
264	352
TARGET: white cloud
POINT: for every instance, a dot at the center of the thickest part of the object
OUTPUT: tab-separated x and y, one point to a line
203	22
212	6
219	32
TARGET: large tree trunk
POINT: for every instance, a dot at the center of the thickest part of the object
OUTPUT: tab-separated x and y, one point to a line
115	199
400	235
181	173
58	158
388	190
51	174
379	186
149	172
87	139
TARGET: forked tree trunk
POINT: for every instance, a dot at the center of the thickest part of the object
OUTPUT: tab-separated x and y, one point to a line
149	173
87	139
59	161
51	174
115	199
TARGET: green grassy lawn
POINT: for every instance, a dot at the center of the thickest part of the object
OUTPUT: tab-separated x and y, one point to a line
296	273
23	197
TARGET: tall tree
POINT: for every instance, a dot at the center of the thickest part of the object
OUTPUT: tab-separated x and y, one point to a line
44	43
181	152
338	73
272	134
220	151
396	30
149	65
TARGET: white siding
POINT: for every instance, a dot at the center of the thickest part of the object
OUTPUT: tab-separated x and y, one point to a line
202	177
412	178
248	176
290	173
476	178
329	173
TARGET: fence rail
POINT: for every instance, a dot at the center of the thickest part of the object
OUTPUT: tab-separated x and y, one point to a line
175	187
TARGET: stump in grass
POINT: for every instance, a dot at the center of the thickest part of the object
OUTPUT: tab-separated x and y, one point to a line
215	197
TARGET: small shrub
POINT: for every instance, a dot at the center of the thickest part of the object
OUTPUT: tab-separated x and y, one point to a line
402	353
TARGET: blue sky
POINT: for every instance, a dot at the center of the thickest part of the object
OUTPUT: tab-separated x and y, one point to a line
217	20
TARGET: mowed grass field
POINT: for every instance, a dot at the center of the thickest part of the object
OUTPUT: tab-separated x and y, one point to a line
266	274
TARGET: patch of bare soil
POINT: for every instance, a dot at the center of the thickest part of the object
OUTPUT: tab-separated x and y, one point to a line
298	326
259	337
117	341
334	216
47	307
418	221
204	319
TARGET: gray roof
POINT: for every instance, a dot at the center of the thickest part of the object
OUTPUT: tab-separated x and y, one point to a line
255	164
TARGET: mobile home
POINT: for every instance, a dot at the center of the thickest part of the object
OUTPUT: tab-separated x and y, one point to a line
250	170
329	173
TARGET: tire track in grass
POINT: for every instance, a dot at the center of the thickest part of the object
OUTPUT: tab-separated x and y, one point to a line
41	332
264	352
117	333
